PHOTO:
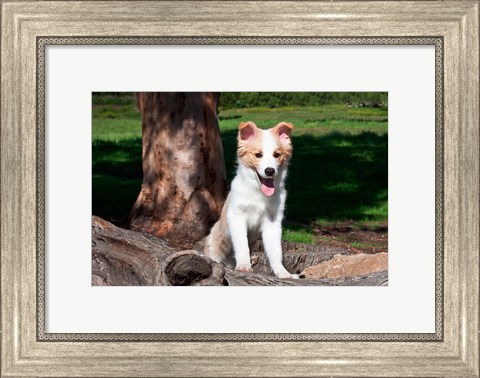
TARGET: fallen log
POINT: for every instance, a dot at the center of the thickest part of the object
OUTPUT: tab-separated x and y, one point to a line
128	258
235	278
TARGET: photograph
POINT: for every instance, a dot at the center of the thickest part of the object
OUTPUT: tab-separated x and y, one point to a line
239	188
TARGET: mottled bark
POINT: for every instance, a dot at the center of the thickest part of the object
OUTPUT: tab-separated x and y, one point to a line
184	180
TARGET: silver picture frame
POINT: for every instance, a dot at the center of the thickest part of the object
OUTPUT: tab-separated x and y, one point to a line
28	27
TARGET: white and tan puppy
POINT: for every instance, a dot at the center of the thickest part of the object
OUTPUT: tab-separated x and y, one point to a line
256	201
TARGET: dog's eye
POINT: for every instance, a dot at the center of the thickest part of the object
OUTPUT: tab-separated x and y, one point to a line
258	155
276	155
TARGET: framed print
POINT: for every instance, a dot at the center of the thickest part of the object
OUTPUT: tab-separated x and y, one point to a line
393	86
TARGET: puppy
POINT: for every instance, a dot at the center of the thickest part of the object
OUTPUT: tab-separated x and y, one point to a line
255	204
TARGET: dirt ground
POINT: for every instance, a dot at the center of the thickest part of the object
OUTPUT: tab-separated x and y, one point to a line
347	235
353	237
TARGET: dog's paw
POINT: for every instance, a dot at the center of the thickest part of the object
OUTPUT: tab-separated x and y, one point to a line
287	275
244	268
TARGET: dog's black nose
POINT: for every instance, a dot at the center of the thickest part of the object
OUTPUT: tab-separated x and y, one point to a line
269	171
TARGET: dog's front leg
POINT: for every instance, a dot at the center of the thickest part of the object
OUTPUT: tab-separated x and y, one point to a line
238	232
272	242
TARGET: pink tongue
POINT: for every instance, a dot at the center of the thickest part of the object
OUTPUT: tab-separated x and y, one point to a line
267	186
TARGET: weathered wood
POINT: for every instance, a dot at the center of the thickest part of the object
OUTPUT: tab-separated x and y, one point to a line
123	257
348	266
234	278
296	261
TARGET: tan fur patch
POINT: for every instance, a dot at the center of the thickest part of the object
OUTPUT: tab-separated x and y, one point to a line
218	245
247	149
284	148
285	152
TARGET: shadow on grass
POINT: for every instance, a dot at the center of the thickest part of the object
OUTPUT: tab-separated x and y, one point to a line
116	178
338	176
332	177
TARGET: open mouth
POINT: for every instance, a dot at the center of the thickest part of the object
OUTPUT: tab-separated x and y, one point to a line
268	188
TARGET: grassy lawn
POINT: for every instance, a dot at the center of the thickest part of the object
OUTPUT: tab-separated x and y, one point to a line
338	171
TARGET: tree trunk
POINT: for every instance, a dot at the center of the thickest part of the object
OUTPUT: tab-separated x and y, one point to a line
184	180
128	258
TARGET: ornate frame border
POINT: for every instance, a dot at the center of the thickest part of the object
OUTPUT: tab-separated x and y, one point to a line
22	23
43	42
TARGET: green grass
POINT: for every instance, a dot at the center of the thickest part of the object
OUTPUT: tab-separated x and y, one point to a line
298	236
117	177
338	170
366	245
309	118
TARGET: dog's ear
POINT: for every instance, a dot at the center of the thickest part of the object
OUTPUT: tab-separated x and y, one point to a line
284	130
247	131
